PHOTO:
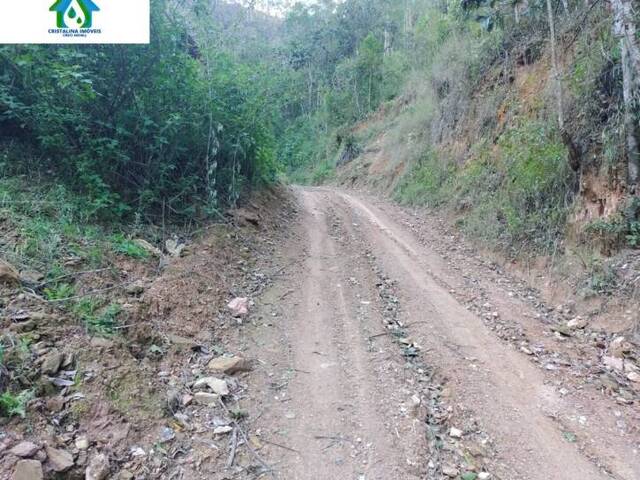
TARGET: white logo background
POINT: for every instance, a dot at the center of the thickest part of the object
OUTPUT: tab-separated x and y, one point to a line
119	21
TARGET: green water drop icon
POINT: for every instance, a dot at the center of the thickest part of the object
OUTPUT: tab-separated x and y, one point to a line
79	21
72	13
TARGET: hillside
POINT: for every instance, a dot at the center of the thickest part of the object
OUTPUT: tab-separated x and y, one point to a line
474	135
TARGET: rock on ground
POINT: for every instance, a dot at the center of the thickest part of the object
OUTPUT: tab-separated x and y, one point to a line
136	288
52	361
577	323
229	365
619	347
28	470
148	247
203	398
98	468
216	385
174	248
239	307
25	449
82	442
60	460
8	274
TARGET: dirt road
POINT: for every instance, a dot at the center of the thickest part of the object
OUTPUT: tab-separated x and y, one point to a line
372	368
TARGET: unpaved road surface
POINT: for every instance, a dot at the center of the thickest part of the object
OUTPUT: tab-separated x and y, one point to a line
371	367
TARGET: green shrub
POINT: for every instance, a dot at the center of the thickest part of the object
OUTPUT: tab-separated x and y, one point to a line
12	405
623	228
519	193
60	291
96	317
144	128
425	183
124	246
321	173
633	236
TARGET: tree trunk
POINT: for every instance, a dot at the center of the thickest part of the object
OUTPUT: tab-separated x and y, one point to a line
387	42
370	88
624	28
556	71
310	89
356	95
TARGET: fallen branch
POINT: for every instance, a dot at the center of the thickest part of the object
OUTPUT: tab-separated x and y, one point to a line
69	275
390	332
234	447
244	436
281	446
88	294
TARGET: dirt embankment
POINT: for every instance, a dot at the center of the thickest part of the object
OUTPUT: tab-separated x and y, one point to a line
125	404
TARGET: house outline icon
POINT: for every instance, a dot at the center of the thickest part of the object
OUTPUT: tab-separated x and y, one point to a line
62	6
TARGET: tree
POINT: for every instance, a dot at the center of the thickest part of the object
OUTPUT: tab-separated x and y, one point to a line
624	28
370	60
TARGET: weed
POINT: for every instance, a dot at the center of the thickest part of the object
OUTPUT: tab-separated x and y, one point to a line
512	194
321	173
124	246
12	405
238	414
609	233
96	317
61	291
601	278
613	232
50	226
424	184
633	237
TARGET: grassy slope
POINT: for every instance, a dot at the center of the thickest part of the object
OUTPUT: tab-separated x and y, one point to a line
481	142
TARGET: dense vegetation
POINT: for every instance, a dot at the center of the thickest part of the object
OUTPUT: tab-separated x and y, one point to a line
178	126
226	97
492	110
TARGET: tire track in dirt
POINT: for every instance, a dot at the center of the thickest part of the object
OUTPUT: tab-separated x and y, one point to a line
333	415
509	394
331	397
